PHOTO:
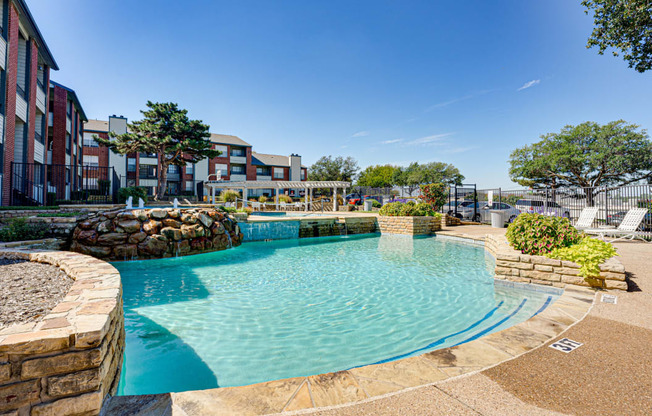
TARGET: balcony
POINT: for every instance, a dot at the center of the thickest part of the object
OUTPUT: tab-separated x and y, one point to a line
21	106
235	177
263	177
40	98
242	160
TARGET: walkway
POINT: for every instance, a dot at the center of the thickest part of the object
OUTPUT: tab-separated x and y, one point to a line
611	374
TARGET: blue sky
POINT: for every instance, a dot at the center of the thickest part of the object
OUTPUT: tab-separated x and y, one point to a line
463	82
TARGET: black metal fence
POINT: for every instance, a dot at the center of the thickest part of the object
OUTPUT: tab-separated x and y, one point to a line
192	190
612	203
38	184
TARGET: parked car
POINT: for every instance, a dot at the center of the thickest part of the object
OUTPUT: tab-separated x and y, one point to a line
450	207
471	211
533	206
353	199
508	211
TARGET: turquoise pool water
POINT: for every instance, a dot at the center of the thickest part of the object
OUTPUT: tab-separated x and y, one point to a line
271	310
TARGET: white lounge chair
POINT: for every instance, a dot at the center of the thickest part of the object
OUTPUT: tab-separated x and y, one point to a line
627	229
255	206
298	206
587	216
284	206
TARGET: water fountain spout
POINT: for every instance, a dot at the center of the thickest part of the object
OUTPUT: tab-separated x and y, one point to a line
228	236
141	203
176	203
130	203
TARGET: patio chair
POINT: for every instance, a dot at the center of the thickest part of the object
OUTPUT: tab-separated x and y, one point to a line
298	205
255	206
587	216
284	206
627	229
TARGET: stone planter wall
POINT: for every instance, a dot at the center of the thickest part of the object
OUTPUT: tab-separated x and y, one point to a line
408	225
71	360
154	233
322	227
515	266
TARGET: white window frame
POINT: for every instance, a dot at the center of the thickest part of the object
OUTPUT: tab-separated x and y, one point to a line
279	173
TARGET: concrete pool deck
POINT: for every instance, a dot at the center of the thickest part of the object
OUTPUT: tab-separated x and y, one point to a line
505	372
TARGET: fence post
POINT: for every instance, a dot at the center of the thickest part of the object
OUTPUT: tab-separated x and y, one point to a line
500	195
606	206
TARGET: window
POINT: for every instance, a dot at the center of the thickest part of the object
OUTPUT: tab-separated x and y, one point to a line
238	151
279	173
173	169
221	168
189	186
190	169
237	169
222	149
263	170
91	161
303	175
89	141
131	164
154	155
68	142
147	172
69	109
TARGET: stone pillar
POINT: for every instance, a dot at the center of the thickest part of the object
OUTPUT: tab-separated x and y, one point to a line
212	194
244	197
335	199
305	199
276	199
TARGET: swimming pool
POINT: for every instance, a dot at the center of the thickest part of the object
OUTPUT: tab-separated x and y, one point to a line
272	310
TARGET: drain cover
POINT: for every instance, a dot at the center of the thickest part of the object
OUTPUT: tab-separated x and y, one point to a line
610	299
565	345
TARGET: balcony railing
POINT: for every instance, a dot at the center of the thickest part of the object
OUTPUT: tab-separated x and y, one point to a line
21	91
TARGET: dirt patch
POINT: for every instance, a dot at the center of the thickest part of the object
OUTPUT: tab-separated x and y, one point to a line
29	290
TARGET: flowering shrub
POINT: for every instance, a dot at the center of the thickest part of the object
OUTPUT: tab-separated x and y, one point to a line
588	253
434	194
408	209
541	234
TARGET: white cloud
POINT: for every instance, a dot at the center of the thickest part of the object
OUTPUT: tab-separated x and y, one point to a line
457	100
391	141
529	84
428	140
361	134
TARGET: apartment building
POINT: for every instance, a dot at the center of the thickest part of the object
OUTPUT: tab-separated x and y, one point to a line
25	64
65	143
236	163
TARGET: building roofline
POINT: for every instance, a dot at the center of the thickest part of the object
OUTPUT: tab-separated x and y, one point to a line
32	27
75	99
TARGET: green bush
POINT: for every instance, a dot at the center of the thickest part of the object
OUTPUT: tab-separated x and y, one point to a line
25	208
18	230
59	214
262	198
540	234
133	191
229	195
376	204
227	209
589	253
103	186
51	199
408	209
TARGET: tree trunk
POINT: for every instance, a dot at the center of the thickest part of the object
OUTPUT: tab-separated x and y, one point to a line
162	181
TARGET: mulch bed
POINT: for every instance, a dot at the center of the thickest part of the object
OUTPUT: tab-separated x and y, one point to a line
29	290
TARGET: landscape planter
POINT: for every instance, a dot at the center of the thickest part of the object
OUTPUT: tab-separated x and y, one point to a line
409	225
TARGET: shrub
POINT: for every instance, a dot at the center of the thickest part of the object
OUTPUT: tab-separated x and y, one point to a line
541	234
229	195
227	209
103	186
434	194
133	191
589	253
248	210
376	204
408	209
262	198
59	214
18	230
25	208
284	198
51	199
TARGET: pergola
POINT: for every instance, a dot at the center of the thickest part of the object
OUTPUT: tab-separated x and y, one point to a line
278	185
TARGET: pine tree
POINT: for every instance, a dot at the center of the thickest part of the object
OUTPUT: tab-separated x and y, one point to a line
167	131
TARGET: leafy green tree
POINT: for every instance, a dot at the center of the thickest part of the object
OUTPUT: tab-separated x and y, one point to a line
378	176
587	155
167	131
625	25
328	168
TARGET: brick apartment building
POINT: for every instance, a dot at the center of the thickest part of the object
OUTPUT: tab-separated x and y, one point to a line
64	142
236	163
25	64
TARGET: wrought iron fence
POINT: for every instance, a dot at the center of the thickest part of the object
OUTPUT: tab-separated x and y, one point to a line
38	184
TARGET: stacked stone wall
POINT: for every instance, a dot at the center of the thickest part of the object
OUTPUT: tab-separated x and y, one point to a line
408	225
515	266
154	233
323	227
71	360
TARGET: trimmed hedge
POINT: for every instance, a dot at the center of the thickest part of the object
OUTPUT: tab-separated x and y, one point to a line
408	209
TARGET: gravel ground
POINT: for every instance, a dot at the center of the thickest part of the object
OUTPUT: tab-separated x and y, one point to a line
29	290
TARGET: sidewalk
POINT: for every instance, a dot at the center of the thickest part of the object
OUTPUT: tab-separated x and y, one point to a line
611	374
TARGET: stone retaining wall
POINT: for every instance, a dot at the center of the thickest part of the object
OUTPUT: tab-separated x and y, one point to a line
154	233
408	225
71	360
515	266
322	227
